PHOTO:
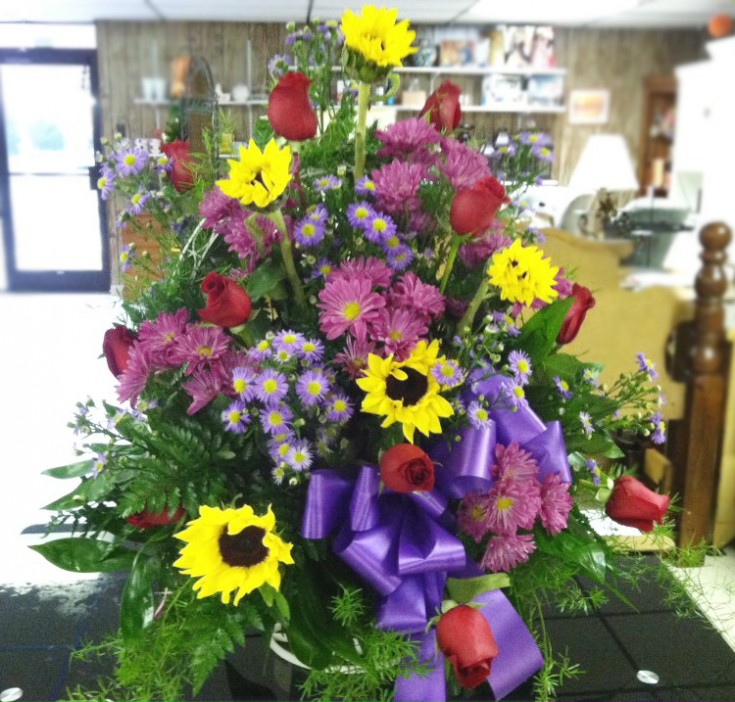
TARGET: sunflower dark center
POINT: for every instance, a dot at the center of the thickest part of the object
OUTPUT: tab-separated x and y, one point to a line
244	549
408	391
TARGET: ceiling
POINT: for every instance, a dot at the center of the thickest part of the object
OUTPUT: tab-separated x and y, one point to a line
597	13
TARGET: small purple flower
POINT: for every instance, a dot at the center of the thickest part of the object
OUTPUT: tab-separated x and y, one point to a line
262	350
594	469
271	387
276	418
590	376
99	464
278	65
447	373
400	257
127	256
318	213
479	416
322	269
379	228
365	186
586	420
138	202
308	232
311	387
326	183
243	382
542	153
131	161
340	408
514	393
359	214
236	417
288	340
563	387
659	426
106	182
520	364
300	456
647	366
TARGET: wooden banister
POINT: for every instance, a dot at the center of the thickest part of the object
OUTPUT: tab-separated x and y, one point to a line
706	387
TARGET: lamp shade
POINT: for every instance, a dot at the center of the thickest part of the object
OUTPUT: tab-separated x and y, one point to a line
604	163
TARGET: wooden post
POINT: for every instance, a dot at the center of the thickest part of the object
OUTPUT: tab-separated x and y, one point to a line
705	389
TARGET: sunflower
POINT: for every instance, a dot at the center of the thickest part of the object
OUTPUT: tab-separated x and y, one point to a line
259	177
523	275
406	391
377	37
232	549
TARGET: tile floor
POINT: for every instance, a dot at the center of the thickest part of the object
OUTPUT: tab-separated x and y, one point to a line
50	361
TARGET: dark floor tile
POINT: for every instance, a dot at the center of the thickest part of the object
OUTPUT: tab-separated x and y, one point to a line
683	652
700	694
616	696
104	610
38	672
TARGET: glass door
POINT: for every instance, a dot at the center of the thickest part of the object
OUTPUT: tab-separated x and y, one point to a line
53	220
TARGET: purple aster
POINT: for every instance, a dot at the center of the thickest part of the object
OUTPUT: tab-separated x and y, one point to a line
646	366
288	340
397	187
531	138
586	421
371	268
318	213
500	152
131	161
340	408
359	214
326	183
99	464
399	329
322	269
447	373
472	515
365	186
261	351
520	363
300	456
309	232
278	65
106	181
217	207
199	346
243	382
400	257
236	417
138	202
462	165
348	305
659	426
505	552
591	376
542	153
514	393
276	418
127	256
311	387
280	445
556	503
379	228
423	298
514	463
353	359
478	415
391	244
282	356
563	387
592	466
311	350
271	386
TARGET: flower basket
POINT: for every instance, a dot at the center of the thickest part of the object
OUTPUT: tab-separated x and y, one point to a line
345	414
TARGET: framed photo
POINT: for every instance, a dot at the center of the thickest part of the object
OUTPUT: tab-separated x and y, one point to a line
589	106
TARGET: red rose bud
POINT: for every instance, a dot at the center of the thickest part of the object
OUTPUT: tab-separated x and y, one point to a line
181	161
116	347
289	110
583	301
443	108
148	520
466	639
406	468
634	505
473	209
228	305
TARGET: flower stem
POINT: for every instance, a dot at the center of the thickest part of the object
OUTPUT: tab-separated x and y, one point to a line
469	315
287	255
456	242
363	102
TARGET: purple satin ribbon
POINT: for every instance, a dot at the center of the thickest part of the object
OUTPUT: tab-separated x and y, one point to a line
518	655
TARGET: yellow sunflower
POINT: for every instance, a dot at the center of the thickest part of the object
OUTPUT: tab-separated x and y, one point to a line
259	177
523	274
377	37
232	549
406	391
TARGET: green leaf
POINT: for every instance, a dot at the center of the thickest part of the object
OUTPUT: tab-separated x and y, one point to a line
562	364
92	490
466	589
264	279
72	470
136	605
262	133
538	334
574	548
83	555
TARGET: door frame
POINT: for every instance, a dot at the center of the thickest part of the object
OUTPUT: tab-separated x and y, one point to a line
53	280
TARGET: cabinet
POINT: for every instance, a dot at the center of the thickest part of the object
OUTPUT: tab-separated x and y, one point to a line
657	136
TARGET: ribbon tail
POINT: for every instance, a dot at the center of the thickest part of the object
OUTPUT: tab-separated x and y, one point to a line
427	687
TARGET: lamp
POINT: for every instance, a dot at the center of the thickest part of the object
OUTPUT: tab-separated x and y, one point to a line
604	167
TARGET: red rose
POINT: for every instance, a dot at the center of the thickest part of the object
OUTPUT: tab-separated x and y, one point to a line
148	520
583	301
406	468
228	305
181	160
289	110
466	639
443	108
116	347
634	505
473	209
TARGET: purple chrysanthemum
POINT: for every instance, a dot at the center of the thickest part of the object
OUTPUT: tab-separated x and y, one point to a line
586	421
447	374
514	463
236	417
326	183
199	346
309	232
359	214
365	186
424	299
276	418
513	504
340	408
472	515
563	387
520	363
478	415
647	366
271	386
348	305
312	387
505	552
556	503
399	330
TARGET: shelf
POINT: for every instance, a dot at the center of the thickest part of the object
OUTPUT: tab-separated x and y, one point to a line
520	109
482	70
229	103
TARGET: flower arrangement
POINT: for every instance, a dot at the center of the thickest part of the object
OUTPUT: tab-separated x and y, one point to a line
345	413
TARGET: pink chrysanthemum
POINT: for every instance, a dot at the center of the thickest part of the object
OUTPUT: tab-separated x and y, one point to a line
513	463
462	165
200	346
348	306
240	241
141	365
204	386
409	139
216	207
506	552
556	503
424	299
514	504
371	268
472	515
354	357
161	335
399	330
397	187
478	250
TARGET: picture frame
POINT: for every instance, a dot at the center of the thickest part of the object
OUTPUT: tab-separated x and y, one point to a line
589	106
